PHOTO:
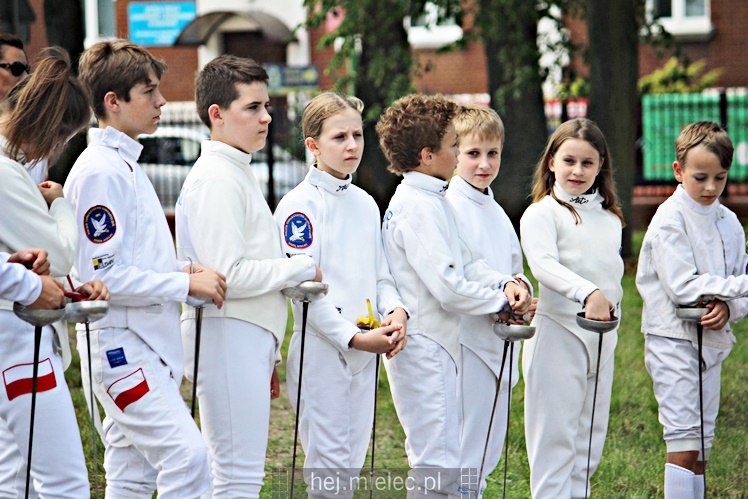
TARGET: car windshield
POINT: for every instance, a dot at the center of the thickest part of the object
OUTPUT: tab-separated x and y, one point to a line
169	150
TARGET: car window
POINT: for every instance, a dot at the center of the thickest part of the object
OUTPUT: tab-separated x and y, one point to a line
169	150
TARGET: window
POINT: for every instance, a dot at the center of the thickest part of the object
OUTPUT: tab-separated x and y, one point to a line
683	18
431	30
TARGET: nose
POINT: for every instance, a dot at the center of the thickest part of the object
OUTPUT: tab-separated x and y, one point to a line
266	117
160	101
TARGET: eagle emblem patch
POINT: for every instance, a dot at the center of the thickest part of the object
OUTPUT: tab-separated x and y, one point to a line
99	224
298	231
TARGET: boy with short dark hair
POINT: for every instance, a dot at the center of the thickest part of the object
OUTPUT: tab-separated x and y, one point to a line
693	254
223	221
151	441
438	279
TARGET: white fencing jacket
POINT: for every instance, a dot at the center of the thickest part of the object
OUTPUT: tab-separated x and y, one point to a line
690	251
337	224
484	224
224	223
126	242
17	283
436	274
572	260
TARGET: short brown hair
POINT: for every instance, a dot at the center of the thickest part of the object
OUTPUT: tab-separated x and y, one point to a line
10	40
708	134
481	121
410	124
44	110
216	82
116	66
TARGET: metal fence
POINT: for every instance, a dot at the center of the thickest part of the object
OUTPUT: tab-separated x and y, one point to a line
169	154
665	115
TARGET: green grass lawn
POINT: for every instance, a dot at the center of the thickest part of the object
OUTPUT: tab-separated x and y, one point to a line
634	457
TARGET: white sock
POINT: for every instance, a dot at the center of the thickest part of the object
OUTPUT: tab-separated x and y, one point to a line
679	482
698	486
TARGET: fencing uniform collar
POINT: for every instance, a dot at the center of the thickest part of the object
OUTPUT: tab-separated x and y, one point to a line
464	187
327	182
128	147
579	202
691	204
20	155
425	182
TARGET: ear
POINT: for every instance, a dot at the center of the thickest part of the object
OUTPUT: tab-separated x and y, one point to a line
550	164
311	144
678	171
426	156
111	102
214	113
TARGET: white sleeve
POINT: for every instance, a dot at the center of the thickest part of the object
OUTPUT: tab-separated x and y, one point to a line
673	261
17	283
215	213
305	238
539	241
428	253
28	223
128	285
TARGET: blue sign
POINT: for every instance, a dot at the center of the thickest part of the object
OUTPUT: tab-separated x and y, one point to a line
158	23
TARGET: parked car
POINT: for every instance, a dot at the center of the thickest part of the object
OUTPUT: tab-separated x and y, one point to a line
169	154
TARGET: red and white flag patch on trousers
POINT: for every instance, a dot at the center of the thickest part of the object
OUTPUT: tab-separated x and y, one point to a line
18	379
129	389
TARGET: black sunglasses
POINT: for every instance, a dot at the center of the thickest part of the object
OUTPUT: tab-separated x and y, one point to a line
16	68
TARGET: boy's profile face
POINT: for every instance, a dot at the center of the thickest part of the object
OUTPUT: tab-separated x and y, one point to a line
442	163
142	113
244	124
702	175
479	160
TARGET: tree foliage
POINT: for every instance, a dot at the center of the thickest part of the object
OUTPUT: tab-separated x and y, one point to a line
676	77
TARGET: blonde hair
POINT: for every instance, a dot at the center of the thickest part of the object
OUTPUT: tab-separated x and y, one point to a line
324	106
586	130
481	121
708	134
44	110
116	66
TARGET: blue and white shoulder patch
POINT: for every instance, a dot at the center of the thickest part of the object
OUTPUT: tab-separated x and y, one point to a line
99	224
298	231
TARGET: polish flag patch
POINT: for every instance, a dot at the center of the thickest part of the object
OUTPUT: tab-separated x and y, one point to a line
129	389
18	379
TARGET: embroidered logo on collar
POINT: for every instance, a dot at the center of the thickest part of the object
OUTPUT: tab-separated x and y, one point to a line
342	187
444	188
579	200
297	231
99	224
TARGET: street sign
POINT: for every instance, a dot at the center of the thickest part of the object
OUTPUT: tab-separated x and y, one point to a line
283	79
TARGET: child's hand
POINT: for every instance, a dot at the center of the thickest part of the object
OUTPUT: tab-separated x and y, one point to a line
717	316
518	297
52	296
274	384
50	191
94	290
318	274
397	317
207	283
382	340
597	307
34	259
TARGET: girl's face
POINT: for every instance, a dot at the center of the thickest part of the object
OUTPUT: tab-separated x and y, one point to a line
702	175
575	165
339	147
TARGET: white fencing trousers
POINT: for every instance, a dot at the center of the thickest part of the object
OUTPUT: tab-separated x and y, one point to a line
151	442
335	419
233	389
559	388
476	389
56	434
674	367
423	382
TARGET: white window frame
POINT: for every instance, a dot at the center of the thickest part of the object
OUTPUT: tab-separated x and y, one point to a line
433	35
678	25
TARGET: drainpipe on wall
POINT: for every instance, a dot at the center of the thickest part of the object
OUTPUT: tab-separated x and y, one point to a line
91	9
